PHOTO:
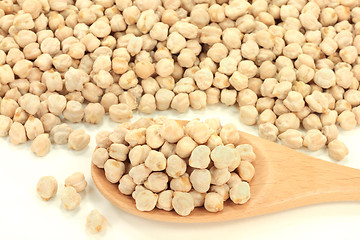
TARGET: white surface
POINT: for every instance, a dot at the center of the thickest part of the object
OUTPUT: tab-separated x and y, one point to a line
24	215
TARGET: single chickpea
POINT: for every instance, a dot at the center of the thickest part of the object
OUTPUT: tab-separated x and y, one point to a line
347	120
200	157
223	157
17	133
77	181
33	127
246	171
228	134
199	198
78	140
136	136
163	98
181	102
70	199
294	101
165	200
156	182
181	183
165	67
73	111
248	114
49	121
314	140
198	131
120	112
95	222
138	154
317	102
47	187
185	147
182	203
291	138
197	99
175	166
114	170
212	96
337	150
60	133
126	185
268	131
240	193
214	202
155	161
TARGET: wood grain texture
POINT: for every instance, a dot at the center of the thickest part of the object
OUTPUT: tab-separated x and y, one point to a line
284	179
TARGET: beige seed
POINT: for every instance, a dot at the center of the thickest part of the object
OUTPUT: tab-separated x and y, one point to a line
47	187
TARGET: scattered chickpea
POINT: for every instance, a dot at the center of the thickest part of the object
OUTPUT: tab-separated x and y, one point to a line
47	187
78	140
70	199
95	222
337	150
77	181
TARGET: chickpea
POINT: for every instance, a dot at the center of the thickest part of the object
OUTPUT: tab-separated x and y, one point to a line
168	149
41	145
200	157
182	203
135	137
138	154
114	170
214	202
212	96
163	98
314	140
77	181
49	121
268	131
70	199
47	187
126	185
198	131
181	184
78	140
156	182
337	150
33	127
6	74
185	147
17	133
248	114
95	222
240	193
155	161
5	125
317	102
165	200
171	131
347	120
175	166
291	138
312	121
120	112
246	171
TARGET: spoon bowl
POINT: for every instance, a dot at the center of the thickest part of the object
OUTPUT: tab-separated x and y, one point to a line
284	179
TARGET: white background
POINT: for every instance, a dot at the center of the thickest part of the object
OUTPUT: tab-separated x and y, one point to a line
24	215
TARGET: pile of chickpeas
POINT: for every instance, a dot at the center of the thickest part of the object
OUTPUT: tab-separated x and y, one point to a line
163	164
287	64
290	66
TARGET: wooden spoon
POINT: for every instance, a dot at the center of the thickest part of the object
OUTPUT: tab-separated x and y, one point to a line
284	179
